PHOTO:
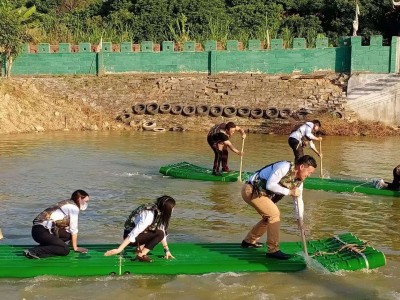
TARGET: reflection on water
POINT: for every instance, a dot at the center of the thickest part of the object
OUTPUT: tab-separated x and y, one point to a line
120	171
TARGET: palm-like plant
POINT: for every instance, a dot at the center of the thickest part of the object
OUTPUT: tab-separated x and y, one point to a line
13	34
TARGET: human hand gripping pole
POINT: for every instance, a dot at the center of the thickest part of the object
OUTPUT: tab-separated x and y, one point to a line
241	162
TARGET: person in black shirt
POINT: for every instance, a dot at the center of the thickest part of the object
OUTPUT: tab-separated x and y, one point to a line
218	139
394	185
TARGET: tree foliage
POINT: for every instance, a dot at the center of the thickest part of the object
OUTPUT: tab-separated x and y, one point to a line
13	24
157	20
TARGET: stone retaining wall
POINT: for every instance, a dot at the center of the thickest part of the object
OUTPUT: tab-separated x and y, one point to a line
116	93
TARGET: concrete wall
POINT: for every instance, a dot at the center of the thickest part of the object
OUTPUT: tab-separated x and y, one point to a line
375	97
349	56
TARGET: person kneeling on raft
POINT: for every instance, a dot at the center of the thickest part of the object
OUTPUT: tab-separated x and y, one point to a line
147	226
264	189
56	226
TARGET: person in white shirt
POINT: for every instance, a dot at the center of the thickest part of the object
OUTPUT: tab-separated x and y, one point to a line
303	135
264	189
56	225
147	226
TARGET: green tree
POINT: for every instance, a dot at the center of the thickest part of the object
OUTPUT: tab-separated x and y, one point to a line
152	18
13	30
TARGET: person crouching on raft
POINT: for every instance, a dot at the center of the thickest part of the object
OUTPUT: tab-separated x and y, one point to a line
57	225
147	226
264	189
218	139
303	135
392	186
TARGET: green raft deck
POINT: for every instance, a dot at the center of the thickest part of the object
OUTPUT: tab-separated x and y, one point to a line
342	252
187	170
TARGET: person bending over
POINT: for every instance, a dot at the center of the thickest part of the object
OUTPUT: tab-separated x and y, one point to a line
303	135
264	189
147	226
218	139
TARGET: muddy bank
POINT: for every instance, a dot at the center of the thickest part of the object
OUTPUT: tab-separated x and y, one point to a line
49	104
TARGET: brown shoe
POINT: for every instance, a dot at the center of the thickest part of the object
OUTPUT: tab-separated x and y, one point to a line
143	258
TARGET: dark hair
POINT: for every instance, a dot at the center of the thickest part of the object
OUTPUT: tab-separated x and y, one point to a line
77	195
317	122
165	204
307	160
230	125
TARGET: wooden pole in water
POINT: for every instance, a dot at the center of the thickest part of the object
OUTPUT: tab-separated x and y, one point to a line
320	153
302	231
241	163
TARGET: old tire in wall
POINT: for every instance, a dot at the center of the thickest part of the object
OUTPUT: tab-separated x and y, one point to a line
159	129
139	108
152	108
243	112
203	110
256	113
189	110
271	113
176	109
285	113
337	114
165	108
216	111
149	125
229	111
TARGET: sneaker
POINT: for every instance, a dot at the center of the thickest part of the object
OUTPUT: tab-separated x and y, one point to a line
250	245
29	254
278	255
226	170
216	173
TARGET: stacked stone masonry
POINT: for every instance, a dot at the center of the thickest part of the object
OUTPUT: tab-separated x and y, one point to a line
116	93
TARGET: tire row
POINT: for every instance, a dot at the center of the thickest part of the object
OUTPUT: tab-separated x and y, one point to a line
213	110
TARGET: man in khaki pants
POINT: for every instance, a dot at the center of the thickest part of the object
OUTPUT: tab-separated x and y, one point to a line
264	189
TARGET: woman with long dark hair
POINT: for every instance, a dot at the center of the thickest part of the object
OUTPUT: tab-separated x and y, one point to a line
57	225
147	226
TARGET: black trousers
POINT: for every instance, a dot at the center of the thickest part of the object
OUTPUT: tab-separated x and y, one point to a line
220	156
296	147
148	238
49	243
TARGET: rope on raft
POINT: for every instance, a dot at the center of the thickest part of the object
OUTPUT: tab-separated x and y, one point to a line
352	247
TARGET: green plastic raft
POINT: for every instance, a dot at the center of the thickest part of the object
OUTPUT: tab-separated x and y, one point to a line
190	171
345	185
342	252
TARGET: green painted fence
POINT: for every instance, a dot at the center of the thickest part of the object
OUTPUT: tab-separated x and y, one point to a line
126	57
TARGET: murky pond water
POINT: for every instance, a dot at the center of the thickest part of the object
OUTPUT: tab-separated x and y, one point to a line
120	170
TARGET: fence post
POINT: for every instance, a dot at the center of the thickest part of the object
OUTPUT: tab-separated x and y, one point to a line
100	63
212	62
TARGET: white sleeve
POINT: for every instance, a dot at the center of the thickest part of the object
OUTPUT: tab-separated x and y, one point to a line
298	205
309	134
73	212
273	181
141	223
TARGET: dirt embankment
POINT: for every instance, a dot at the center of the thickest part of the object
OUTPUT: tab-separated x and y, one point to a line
26	107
